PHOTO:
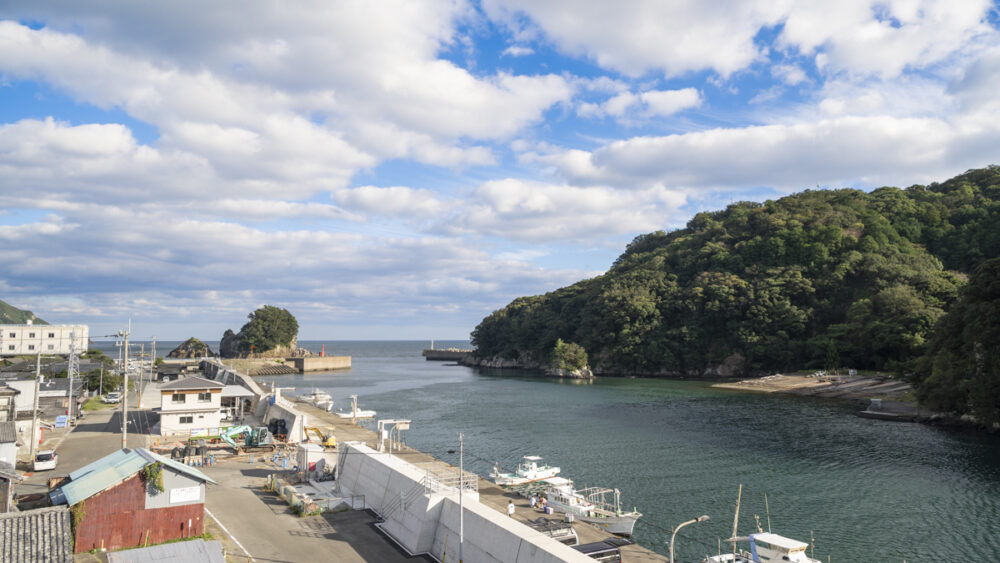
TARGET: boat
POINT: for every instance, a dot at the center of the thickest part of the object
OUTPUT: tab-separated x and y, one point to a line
765	546
529	471
591	505
355	412
319	399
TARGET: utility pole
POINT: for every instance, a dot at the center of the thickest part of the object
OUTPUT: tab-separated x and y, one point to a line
461	506
125	335
138	388
34	409
72	367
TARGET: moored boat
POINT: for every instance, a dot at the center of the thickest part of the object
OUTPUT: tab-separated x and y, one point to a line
319	399
528	471
765	546
592	505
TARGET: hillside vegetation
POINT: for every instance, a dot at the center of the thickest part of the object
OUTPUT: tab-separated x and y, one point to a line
824	278
11	315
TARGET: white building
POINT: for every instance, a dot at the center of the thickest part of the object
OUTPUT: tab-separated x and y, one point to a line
31	339
190	406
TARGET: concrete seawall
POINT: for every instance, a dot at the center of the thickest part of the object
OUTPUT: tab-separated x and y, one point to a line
320	363
448	355
421	513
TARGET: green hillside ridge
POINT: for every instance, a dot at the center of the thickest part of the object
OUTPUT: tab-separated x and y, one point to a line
11	315
821	278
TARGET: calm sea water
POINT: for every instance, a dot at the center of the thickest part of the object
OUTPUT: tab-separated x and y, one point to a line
867	490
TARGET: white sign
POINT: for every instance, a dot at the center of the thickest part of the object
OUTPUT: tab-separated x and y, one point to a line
185	494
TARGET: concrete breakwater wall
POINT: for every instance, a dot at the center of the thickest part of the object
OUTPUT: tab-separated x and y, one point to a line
421	513
448	355
319	363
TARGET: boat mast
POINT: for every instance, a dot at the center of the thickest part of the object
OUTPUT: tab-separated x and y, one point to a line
736	519
767	508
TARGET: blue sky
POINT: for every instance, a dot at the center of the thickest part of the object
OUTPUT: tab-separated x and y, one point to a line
400	169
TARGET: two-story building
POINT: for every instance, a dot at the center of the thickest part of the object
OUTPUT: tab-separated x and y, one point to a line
190	406
30	339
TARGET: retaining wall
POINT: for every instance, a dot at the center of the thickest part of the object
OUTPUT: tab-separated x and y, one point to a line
426	521
320	363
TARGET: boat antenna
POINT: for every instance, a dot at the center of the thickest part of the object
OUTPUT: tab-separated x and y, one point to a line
812	545
736	518
767	508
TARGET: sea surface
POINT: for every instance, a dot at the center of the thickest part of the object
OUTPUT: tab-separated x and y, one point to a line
865	490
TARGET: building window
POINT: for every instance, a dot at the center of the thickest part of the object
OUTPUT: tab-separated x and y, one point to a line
52	335
179	398
31	335
205	397
10	346
52	346
31	346
13	335
187	419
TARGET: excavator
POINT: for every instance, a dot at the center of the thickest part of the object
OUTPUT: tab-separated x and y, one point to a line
257	439
326	440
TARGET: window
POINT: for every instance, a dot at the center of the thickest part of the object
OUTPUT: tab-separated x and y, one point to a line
10	346
31	335
52	346
187	419
179	398
205	397
13	335
31	346
52	335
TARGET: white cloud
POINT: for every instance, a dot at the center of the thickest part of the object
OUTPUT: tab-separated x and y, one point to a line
395	201
669	102
626	106
533	211
518	51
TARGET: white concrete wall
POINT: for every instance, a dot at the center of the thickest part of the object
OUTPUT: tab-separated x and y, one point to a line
294	420
427	522
44	339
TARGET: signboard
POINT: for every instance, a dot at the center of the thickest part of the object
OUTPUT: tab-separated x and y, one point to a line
185	494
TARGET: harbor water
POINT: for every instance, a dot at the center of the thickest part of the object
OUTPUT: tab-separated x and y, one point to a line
866	490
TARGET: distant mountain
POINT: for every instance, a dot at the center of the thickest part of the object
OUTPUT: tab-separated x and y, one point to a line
11	315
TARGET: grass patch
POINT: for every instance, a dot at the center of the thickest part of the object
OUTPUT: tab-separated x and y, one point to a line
95	404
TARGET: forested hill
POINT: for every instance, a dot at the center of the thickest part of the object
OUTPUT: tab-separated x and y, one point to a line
825	278
10	314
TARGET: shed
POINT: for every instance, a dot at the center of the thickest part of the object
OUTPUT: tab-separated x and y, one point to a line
122	507
36	535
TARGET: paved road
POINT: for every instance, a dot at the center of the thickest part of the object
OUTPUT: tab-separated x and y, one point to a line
269	531
95	436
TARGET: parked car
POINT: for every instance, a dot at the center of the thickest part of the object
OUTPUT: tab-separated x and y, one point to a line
112	397
46	460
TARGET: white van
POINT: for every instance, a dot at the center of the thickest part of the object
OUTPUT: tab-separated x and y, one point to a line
112	397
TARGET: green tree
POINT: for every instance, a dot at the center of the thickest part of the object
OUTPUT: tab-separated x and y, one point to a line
961	371
268	328
568	356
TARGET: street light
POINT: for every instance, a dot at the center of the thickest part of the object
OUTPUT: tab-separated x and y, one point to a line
698	519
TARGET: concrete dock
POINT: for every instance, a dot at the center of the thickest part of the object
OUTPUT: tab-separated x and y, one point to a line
489	494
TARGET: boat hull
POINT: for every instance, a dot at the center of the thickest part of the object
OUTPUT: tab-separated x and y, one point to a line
618	525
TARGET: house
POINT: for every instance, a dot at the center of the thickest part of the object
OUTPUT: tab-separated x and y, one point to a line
131	498
8	477
8	442
36	535
53	396
190	406
8	401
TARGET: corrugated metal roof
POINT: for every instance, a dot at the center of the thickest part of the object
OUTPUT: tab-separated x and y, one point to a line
180	552
191	383
7	471
8	432
36	535
236	391
115	468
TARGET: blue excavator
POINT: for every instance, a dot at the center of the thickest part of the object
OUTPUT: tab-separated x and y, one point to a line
256	439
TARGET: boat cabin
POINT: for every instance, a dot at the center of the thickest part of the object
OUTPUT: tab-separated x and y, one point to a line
767	547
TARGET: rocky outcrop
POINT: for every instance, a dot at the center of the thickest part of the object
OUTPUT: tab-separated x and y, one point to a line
229	346
191	348
582	373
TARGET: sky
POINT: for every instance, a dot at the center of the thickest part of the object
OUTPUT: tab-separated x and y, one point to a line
401	169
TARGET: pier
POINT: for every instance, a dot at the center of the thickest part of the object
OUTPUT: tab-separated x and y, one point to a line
447	354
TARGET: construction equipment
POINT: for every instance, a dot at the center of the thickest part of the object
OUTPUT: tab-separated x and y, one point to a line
327	440
256	440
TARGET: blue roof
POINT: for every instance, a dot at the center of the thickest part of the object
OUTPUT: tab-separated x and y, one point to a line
114	468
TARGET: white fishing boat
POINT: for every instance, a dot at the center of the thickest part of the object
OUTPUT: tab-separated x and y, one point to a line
765	547
591	505
528	471
355	412
319	399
